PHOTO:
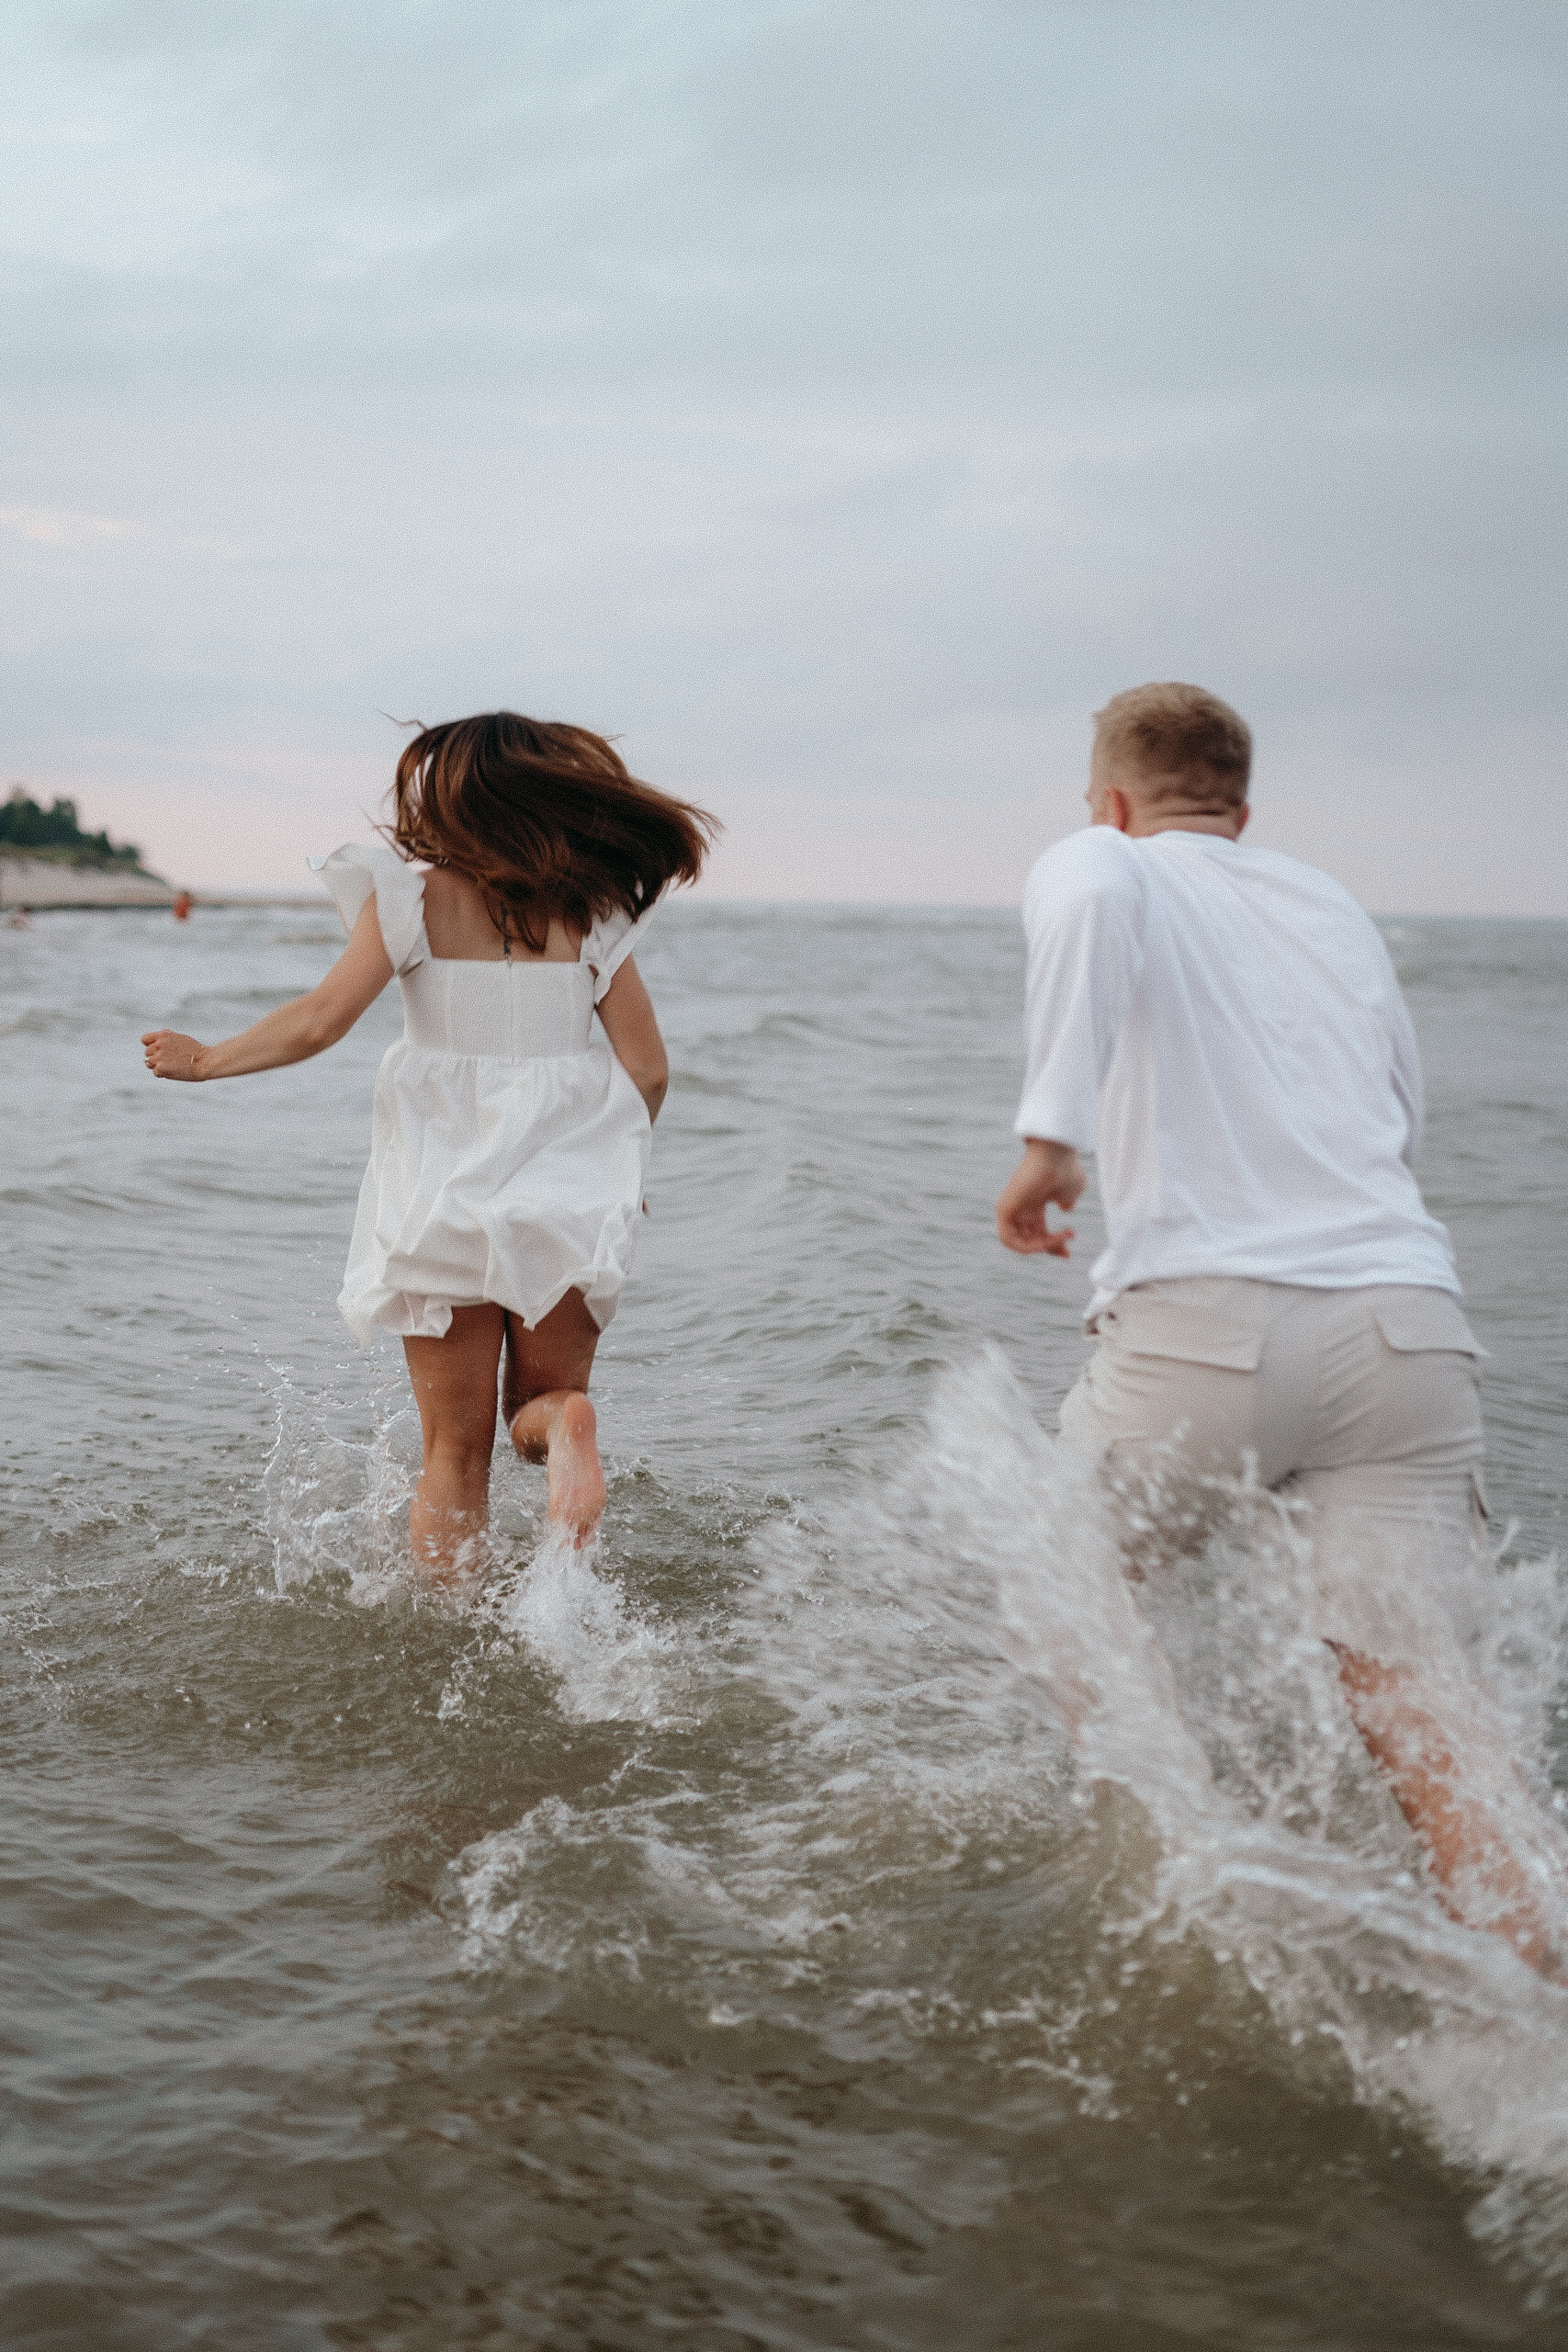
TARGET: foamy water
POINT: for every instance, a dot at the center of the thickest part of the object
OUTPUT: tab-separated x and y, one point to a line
834	1909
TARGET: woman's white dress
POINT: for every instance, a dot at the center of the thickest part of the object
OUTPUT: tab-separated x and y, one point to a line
509	1148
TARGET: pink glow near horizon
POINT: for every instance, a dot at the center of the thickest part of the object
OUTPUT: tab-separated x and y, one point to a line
1381	831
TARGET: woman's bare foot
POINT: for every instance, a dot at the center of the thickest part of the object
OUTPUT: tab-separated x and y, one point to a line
576	1478
560	1429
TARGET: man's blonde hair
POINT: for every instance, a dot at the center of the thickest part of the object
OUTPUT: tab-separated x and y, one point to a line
1177	742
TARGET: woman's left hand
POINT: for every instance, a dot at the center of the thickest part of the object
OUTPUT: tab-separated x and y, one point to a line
171	1055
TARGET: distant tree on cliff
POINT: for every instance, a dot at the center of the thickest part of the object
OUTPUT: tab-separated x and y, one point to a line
27	829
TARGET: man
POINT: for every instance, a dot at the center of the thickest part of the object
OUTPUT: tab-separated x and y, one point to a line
1223	1026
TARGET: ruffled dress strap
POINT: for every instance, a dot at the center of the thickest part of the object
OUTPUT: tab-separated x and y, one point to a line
351	874
612	939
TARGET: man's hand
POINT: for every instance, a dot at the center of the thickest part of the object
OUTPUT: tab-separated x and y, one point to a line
1048	1171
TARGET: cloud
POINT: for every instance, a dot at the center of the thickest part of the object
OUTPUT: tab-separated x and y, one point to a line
57	526
831	400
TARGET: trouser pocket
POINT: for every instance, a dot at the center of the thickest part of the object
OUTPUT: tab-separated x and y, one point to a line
1155	1323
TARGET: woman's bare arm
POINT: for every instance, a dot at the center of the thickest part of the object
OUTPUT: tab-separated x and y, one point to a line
626	1010
309	1025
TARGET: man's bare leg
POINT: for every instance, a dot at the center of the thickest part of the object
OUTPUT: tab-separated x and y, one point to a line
1450	1770
546	1402
1442	1797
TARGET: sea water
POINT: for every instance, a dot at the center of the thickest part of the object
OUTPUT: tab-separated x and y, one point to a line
747	1933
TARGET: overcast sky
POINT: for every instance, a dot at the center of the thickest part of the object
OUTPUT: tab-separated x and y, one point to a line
834	402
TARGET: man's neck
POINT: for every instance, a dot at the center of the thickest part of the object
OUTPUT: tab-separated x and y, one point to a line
1116	801
1140	825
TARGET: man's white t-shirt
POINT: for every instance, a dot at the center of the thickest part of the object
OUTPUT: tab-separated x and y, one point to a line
1223	1027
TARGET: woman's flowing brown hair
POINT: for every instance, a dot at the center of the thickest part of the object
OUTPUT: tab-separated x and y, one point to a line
545	819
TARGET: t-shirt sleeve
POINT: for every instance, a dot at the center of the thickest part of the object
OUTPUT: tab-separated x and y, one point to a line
351	874
1083	915
612	938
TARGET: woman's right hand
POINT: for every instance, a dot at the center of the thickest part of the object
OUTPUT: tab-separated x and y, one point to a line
307	1026
169	1054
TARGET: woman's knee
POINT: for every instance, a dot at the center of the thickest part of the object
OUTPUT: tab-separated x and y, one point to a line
461	1448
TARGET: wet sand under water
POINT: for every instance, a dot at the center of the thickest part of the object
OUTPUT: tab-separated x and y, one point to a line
714	1940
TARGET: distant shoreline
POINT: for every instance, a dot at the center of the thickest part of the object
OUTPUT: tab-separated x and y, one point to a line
38	882
31	885
36	885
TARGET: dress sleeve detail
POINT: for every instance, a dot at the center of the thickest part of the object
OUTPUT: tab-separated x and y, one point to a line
612	938
351	874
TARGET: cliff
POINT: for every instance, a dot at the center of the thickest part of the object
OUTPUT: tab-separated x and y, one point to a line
46	860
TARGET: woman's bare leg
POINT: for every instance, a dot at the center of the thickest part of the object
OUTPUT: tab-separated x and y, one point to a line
544	1399
454	1387
1455	1804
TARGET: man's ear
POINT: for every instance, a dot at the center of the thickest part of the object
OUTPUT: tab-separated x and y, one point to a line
1119	807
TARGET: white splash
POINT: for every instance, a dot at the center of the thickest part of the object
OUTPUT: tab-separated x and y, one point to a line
337	1487
1274	1838
609	1663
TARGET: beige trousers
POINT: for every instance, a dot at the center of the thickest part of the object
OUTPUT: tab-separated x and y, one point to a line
1358	1406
